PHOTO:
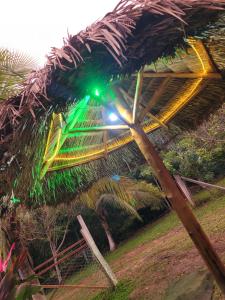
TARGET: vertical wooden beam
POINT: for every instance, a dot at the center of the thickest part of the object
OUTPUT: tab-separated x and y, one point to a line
179	204
91	243
137	95
128	99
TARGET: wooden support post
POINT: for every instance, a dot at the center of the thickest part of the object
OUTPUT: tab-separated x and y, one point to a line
184	189
91	243
179	204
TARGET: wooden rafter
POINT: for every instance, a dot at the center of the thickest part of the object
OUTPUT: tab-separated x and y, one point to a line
154	99
137	95
129	100
105	139
151	116
181	75
105	135
98	128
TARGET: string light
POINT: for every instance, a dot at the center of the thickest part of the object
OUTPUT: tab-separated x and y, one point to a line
59	134
164	117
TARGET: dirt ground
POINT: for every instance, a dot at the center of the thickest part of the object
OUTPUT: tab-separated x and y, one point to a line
152	266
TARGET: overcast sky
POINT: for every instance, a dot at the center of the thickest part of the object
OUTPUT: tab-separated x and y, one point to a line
35	26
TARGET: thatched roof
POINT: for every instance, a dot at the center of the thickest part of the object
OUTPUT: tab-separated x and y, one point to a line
135	35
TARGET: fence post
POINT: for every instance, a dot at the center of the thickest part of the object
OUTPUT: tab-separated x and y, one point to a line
91	243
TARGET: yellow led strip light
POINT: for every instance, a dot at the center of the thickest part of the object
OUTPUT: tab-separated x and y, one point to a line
49	136
58	137
164	117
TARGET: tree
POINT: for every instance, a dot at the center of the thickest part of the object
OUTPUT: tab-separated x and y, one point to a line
47	223
14	69
120	192
200	153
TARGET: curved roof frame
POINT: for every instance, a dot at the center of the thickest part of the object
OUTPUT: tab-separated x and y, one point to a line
62	129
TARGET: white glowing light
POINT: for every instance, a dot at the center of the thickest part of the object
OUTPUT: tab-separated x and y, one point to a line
113	117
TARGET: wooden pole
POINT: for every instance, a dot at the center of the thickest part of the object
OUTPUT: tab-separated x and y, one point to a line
104	265
184	189
203	184
179	204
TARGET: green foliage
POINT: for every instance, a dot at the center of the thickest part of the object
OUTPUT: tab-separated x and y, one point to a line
199	154
121	292
143	172
25	291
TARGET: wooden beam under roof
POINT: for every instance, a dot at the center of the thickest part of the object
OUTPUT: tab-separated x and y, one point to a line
137	95
127	98
105	134
98	128
187	75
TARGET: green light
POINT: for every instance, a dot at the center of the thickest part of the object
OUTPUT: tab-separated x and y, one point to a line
15	200
97	93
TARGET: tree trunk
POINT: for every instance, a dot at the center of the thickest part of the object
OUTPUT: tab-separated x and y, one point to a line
179	204
105	225
54	254
112	244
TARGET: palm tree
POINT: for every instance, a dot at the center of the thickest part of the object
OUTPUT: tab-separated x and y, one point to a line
14	68
123	193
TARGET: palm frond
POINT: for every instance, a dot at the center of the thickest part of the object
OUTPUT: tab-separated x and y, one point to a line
14	67
126	194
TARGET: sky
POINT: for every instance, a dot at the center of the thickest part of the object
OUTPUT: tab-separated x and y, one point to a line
33	27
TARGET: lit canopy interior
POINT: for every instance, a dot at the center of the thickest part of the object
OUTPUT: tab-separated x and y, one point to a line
92	128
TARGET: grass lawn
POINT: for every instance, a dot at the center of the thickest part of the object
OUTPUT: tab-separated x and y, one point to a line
160	253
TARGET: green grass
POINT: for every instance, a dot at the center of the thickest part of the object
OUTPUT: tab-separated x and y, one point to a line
167	223
149	233
121	292
206	212
204	195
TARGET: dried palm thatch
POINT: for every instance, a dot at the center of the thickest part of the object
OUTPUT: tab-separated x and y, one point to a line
122	42
136	35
